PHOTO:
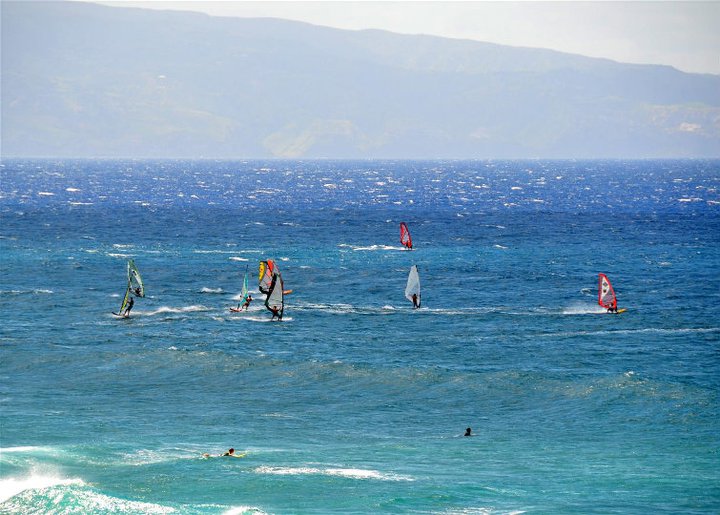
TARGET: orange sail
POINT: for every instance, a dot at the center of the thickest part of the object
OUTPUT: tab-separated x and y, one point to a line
266	270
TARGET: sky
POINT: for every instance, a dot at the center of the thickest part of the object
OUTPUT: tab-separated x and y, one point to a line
682	34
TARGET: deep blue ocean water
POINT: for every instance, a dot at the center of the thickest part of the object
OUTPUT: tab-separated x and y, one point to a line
355	402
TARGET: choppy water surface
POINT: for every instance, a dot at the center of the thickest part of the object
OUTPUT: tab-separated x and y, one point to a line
355	402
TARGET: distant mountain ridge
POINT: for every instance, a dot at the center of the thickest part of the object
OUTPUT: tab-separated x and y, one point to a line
87	80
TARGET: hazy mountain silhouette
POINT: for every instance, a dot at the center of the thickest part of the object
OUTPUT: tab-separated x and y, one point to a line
88	80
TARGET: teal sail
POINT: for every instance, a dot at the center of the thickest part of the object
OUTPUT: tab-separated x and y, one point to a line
245	292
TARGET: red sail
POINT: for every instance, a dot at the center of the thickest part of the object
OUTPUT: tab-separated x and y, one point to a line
606	294
405	238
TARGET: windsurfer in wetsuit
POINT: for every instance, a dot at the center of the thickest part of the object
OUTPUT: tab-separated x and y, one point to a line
129	306
416	303
276	313
248	300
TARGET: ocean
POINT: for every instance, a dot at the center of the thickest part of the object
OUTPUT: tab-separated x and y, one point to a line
355	402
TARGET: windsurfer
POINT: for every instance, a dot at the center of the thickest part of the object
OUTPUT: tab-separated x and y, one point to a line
246	305
416	303
276	313
130	304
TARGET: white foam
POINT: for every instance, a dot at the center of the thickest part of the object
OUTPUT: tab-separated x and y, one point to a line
371	248
583	309
650	330
46	194
239	510
12	486
211	290
239	296
24	448
341	472
169	309
238	258
255	318
21	292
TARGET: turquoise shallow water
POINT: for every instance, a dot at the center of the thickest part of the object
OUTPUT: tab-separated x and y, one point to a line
355	403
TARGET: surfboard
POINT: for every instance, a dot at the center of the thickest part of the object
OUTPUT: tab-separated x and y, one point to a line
621	310
119	315
206	455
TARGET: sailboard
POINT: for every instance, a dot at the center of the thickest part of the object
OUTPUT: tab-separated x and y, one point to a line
266	270
135	282
606	294
413	286
245	292
405	238
275	301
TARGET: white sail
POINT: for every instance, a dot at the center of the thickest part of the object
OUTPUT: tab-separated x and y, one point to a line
413	286
275	300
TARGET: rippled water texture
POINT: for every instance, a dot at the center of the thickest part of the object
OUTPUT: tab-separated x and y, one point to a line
355	402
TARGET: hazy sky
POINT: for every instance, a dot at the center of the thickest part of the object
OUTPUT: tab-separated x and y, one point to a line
683	34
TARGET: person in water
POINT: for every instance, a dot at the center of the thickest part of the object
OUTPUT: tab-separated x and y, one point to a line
416	303
230	452
468	432
129	306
